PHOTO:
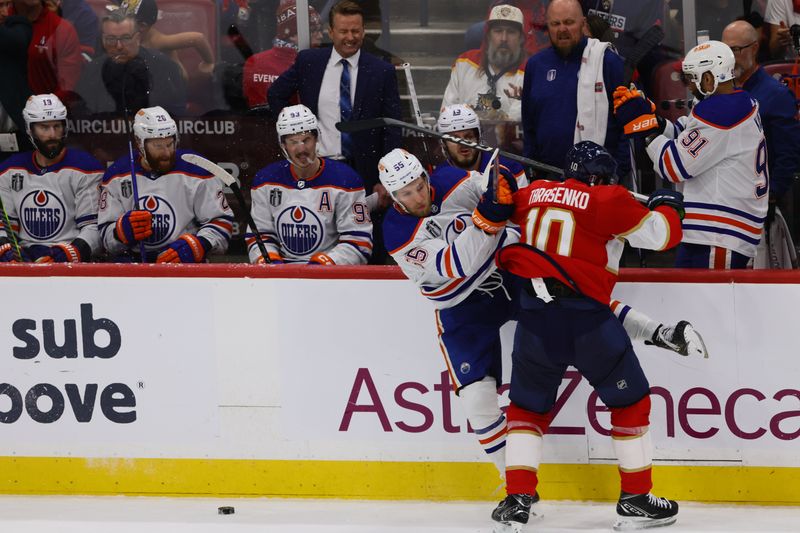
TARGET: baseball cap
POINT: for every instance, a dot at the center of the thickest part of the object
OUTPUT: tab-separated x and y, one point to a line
506	13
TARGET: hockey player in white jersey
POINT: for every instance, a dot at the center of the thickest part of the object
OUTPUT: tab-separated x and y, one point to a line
49	194
308	209
717	156
443	232
182	215
461	121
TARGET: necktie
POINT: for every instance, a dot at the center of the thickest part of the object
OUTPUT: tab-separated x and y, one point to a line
345	107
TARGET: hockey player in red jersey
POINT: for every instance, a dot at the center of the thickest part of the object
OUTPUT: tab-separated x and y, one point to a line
571	243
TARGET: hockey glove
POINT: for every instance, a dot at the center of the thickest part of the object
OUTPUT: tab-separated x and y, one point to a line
7	253
187	248
492	213
635	112
321	259
74	252
667	197
134	226
274	259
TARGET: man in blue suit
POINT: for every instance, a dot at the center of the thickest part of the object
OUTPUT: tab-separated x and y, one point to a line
345	83
317	77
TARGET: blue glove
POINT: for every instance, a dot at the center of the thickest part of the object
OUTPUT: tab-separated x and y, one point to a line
496	207
187	248
667	197
73	252
635	112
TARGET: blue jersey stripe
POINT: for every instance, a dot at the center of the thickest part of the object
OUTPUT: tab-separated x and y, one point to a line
495	448
457	261
722	231
678	162
357	234
724	208
225	234
490	427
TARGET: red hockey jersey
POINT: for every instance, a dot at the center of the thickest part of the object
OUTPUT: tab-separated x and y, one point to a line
582	229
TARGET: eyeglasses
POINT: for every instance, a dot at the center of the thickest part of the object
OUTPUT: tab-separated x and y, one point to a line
737	49
122	39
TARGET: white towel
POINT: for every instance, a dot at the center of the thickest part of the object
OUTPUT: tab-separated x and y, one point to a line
592	99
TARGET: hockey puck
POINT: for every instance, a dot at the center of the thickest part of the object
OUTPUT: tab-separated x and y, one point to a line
226	509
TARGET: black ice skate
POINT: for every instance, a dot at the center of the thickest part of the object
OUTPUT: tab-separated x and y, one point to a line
643	511
681	338
513	512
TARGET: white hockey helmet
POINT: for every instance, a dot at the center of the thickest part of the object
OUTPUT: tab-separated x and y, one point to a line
153	123
398	168
43	108
711	56
295	119
458	117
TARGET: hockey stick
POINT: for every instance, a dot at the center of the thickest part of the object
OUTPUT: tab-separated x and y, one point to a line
230	181
380	122
10	232
129	128
412	92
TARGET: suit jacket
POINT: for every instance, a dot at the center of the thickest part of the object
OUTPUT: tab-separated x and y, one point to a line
15	35
376	96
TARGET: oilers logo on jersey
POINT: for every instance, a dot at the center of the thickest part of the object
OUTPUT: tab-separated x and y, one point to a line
163	219
457	226
43	214
300	230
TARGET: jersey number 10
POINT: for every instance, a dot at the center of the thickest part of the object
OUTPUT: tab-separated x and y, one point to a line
551	230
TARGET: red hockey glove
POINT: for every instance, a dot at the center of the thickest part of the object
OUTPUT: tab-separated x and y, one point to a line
134	226
187	248
635	112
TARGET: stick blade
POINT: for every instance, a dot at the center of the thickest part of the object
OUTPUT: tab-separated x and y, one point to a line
210	166
361	125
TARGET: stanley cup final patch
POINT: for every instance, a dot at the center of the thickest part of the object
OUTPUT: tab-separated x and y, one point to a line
16	182
551	74
126	188
275	196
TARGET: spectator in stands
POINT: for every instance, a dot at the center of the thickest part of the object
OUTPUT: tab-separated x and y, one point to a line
129	76
15	36
489	79
54	54
82	18
535	28
776	106
575	74
146	16
780	16
261	69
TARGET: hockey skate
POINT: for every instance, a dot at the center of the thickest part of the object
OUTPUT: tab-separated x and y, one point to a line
643	511
514	512
681	338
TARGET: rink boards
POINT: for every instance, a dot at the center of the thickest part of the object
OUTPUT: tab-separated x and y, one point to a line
329	382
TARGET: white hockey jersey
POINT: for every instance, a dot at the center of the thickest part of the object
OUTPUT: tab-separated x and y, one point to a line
299	218
470	85
444	253
51	205
188	199
718	156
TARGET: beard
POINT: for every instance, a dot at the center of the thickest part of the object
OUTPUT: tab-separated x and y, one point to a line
463	161
501	57
161	165
49	149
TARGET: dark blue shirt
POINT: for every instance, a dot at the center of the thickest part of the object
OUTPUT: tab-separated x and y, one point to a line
777	108
550	106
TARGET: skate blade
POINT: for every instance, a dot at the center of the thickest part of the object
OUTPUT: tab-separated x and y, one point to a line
632	523
694	342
